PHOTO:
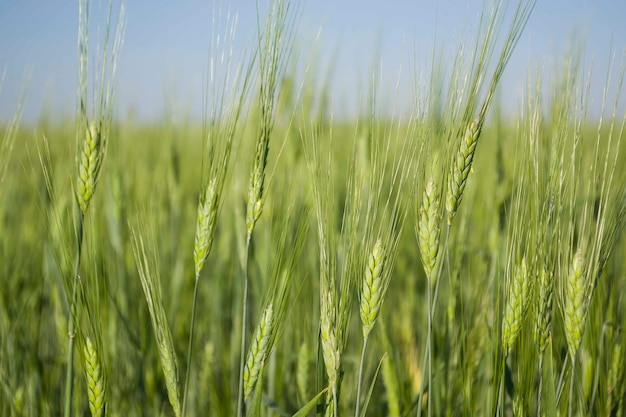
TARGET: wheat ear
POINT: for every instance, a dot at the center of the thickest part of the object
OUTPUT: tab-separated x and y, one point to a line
330	347
543	309
516	306
90	159
258	351
373	288
428	229
96	387
460	168
574	308
205	226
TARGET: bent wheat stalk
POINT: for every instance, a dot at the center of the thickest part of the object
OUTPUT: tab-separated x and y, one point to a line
151	284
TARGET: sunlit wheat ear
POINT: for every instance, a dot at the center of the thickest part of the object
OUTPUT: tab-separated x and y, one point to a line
91	155
428	229
95	379
373	288
460	168
574	306
168	363
328	334
207	214
270	66
543	309
258	351
516	306
257	182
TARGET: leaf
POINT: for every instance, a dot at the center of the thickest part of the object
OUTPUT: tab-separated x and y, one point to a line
549	386
308	406
369	392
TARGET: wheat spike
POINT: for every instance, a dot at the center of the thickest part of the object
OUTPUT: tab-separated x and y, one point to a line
373	288
543	310
428	229
205	227
258	352
330	346
516	306
257	183
574	309
460	168
89	162
96	387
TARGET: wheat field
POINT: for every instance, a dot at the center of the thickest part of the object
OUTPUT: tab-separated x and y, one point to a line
274	260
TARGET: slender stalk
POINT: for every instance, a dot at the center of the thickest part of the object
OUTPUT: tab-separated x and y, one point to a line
190	344
570	407
429	345
559	388
360	380
69	376
244	312
539	393
501	390
421	395
432	303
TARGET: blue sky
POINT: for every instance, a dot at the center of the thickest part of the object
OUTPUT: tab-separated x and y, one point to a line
166	43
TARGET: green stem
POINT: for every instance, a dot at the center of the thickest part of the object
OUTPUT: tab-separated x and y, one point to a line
71	327
570	407
501	390
539	393
559	389
360	380
432	303
429	345
244	312
190	344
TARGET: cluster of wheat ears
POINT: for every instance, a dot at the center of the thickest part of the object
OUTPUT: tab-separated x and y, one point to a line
506	292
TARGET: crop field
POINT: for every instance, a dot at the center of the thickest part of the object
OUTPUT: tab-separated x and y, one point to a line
276	260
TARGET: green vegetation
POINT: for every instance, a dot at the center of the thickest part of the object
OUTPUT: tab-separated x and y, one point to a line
275	261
